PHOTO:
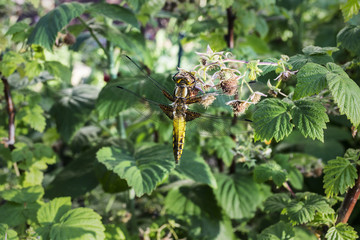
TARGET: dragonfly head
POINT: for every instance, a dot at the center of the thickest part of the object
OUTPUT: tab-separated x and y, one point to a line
185	78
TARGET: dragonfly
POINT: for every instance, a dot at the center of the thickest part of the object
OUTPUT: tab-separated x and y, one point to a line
186	93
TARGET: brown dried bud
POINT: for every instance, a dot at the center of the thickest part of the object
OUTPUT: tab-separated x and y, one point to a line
69	39
229	87
238	106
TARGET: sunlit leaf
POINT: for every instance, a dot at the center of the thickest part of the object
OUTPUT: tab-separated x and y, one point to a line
311	79
348	36
340	175
341	231
350	9
272	120
9	233
34	116
23	195
310	118
277	202
79	223
345	91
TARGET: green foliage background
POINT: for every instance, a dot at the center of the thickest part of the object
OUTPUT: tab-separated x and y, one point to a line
89	163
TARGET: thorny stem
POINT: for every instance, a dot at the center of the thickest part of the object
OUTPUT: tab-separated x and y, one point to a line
349	202
11	111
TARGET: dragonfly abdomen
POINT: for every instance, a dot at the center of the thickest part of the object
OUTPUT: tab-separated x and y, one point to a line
179	127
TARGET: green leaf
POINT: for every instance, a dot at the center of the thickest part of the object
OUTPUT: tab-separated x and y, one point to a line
23	195
194	167
52	211
46	30
223	146
19	31
79	223
110	181
73	109
277	202
302	233
339	175
143	169
278	231
303	208
15	214
270	171
312	54
58	70
115	12
76	178
348	37
33	69
341	231
310	118
198	204
10	62
6	233
272	120
311	79
314	50
345	91
34	116
238	195
116	232
350	9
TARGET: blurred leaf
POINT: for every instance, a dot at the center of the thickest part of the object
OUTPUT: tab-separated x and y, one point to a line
34	116
345	91
296	178
206	25
19	31
110	181
115	12
33	69
142	169
314	50
350	9
342	231
23	195
76	178
270	171
238	195
15	214
6	233
261	27
312	54
10	62
116	232
272	120
311	79
223	147
58	70
79	223
278	231
194	167
73	109
198	205
310	118
347	38
46	30
340	175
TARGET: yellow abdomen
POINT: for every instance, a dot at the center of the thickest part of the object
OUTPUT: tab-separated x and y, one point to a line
178	137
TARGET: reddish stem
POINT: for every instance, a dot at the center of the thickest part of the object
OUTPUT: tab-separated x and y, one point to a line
231	19
350	200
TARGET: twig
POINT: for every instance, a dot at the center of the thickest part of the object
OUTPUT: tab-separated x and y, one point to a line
349	202
11	112
230	36
94	36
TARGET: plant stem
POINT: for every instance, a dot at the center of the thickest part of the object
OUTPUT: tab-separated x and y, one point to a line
349	202
11	111
230	36
131	206
94	36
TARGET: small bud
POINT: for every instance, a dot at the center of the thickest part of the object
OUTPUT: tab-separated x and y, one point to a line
238	106
256	96
208	100
69	39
